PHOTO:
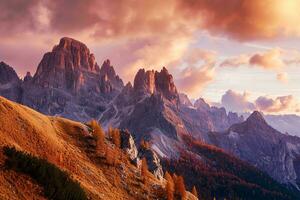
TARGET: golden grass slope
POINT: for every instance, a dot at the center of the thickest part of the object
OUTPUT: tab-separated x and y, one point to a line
60	141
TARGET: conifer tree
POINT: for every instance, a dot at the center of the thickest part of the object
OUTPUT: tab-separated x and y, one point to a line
144	170
99	135
169	186
115	136
180	187
194	192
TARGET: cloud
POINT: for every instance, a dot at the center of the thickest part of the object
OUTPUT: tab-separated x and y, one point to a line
238	102
282	77
194	79
239	19
155	33
274	60
236	61
199	72
271	59
268	60
235	101
244	19
198	54
278	104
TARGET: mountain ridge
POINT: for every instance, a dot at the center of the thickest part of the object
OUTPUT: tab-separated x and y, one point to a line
151	109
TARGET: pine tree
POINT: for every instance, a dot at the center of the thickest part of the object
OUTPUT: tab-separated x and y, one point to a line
99	135
169	186
144	170
109	155
115	136
194	192
180	187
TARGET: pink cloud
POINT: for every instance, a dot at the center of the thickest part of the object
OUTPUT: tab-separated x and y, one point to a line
239	102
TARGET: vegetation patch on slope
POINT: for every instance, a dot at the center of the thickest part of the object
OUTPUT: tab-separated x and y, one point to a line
56	183
216	173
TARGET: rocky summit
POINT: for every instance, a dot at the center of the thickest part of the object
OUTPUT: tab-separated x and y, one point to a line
9	82
68	82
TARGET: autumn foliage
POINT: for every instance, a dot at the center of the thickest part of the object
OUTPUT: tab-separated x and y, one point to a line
194	191
169	186
115	136
99	135
144	170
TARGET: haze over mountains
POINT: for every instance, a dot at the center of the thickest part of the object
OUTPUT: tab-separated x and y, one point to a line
70	83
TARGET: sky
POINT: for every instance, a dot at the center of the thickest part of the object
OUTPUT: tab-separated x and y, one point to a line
242	54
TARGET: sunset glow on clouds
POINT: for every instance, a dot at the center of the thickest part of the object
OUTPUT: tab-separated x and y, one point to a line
241	38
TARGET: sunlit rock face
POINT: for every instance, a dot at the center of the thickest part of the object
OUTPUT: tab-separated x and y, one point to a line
67	66
10	84
68	82
150	82
109	80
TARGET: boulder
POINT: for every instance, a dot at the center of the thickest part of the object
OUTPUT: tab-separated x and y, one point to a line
153	162
128	145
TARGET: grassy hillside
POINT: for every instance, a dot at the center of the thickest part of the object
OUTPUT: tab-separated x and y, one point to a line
67	146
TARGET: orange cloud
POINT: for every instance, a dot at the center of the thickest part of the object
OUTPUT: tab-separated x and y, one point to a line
244	19
193	79
268	60
199	72
271	59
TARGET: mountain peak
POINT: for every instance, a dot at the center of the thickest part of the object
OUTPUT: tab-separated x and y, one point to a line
107	69
27	77
254	123
7	74
150	81
256	116
68	43
64	65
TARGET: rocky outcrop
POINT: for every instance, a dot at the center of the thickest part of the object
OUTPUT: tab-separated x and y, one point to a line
7	74
200	104
153	82
10	84
109	80
27	77
153	162
183	98
128	145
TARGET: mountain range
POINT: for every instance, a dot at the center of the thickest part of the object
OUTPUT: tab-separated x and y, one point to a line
69	83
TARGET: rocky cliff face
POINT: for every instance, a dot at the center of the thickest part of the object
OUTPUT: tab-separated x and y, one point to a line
264	147
153	110
69	83
10	84
153	82
65	66
153	162
128	145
